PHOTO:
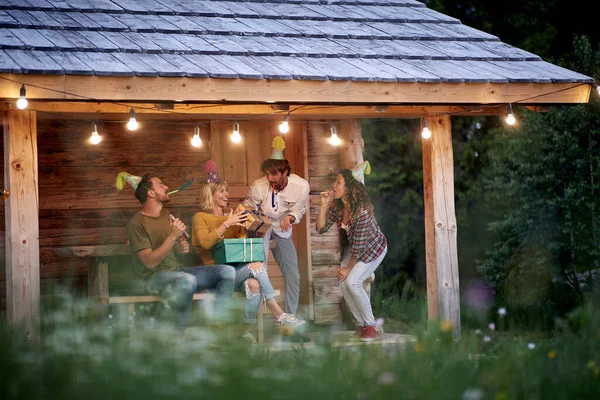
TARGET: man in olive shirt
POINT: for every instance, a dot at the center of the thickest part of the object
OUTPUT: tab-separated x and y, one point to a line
153	236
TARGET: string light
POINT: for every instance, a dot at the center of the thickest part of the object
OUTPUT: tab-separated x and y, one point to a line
132	125
22	102
235	135
510	118
196	141
425	133
284	127
334	140
95	138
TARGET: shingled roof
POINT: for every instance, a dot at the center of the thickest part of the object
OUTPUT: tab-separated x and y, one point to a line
308	40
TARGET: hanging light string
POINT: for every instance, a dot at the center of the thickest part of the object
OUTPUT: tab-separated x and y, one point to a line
284	126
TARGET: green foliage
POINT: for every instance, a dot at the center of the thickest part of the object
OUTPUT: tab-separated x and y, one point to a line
396	190
541	193
89	361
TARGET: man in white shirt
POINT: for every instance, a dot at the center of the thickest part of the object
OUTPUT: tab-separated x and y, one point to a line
283	197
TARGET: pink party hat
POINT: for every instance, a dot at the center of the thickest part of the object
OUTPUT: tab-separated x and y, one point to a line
211	170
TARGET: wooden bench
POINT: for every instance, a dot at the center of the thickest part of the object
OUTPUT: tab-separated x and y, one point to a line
99	257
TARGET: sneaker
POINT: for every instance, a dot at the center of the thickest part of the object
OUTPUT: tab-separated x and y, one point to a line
370	333
249	338
287	323
355	337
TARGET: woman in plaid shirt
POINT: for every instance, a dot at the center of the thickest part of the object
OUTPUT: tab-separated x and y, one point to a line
362	244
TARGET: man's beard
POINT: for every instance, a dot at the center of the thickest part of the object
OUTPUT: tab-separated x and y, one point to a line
164	200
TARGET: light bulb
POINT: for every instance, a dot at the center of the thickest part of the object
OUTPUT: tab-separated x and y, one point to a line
425	133
510	118
22	102
334	140
132	125
196	141
284	127
95	138
235	135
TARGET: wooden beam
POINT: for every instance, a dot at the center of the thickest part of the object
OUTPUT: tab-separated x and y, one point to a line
21	221
76	87
439	203
111	111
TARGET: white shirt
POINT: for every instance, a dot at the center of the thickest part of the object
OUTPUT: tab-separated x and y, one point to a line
292	200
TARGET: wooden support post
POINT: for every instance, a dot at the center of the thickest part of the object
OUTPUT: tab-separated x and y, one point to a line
297	147
352	147
440	224
98	286
22	223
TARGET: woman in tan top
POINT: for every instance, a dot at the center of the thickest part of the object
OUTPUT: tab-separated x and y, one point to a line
211	225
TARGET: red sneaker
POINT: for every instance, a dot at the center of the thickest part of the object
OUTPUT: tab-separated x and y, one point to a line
370	333
356	336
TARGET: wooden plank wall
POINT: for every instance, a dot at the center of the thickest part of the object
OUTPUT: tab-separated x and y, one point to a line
80	206
324	163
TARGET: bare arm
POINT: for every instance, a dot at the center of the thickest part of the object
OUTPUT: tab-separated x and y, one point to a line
322	218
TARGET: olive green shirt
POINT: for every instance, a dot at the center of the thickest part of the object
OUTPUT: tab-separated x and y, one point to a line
146	232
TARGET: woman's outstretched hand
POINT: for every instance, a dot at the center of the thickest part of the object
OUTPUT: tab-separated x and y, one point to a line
235	218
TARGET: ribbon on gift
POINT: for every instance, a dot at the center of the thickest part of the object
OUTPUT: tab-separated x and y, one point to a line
259	215
245	258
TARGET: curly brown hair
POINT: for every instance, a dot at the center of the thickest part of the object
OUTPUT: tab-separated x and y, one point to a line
357	198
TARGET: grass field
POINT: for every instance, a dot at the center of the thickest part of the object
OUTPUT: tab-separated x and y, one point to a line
77	359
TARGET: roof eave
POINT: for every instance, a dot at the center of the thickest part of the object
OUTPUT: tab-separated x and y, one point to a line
157	89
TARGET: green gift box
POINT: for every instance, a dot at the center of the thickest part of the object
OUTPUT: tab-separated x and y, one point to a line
242	250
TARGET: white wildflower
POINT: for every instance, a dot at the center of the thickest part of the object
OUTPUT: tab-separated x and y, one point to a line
386	378
492	326
531	346
478	331
502	311
487	339
473	394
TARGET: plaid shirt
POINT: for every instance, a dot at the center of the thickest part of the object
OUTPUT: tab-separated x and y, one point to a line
365	238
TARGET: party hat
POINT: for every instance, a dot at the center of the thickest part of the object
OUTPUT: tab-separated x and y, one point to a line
123	178
359	171
278	146
211	170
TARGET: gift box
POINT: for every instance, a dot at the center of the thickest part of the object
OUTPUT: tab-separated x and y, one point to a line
257	222
242	250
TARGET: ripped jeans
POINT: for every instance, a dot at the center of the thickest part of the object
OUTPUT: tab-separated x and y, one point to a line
242	274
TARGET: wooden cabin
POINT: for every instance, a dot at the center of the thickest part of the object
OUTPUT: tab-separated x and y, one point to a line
182	64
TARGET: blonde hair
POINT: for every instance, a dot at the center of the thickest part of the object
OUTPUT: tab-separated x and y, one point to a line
207	199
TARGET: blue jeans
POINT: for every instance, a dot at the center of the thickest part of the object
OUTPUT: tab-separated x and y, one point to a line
286	257
177	287
242	274
353	291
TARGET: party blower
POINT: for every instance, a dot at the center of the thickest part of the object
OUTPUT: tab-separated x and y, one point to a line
187	235
182	187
